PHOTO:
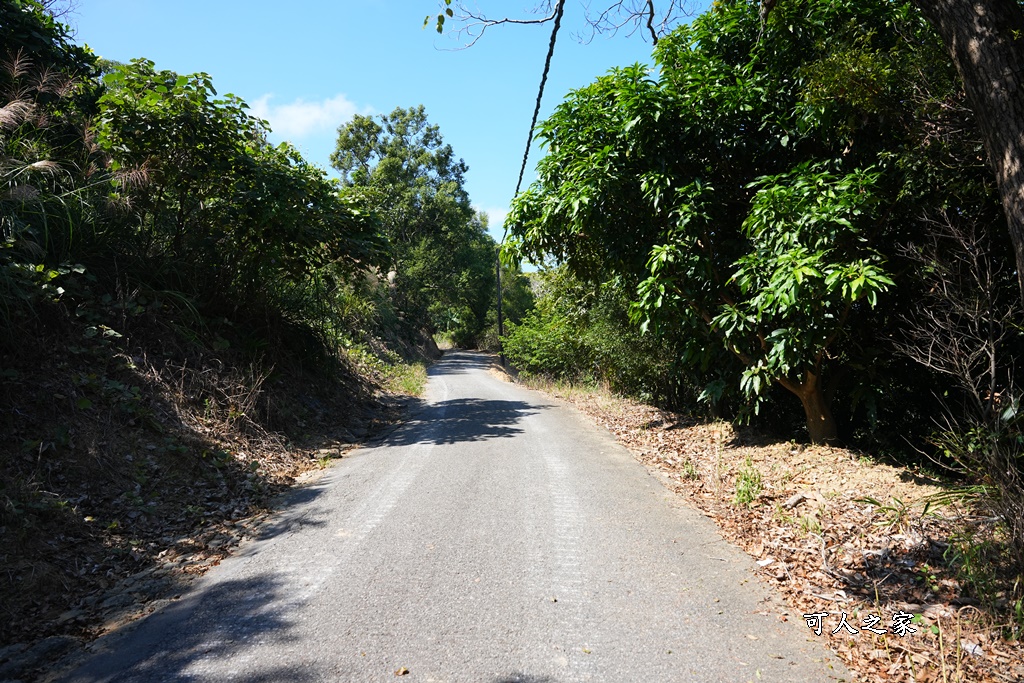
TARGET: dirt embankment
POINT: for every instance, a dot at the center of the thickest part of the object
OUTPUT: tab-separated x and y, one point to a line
134	461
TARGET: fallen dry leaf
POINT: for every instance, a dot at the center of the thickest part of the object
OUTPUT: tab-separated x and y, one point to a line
821	546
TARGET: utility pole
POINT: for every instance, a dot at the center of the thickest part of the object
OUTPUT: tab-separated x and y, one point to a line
501	322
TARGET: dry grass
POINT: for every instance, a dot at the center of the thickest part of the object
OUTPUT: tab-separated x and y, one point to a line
147	455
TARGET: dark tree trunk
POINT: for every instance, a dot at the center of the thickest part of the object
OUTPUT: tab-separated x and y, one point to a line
821	426
986	41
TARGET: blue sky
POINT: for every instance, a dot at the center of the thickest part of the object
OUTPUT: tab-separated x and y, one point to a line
308	67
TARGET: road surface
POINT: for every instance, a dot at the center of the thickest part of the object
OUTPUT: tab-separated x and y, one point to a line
496	537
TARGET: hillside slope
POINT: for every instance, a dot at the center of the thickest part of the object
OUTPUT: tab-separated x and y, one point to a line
135	459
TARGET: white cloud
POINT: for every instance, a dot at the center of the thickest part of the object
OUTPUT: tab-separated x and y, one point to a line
496	216
300	118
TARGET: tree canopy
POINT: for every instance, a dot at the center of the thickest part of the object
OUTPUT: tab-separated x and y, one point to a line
981	37
757	190
442	260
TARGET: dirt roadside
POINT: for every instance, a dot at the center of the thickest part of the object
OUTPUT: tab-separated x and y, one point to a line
858	550
129	472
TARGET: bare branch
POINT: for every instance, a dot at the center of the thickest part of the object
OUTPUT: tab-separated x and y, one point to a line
617	15
473	24
60	9
963	326
967	329
633	15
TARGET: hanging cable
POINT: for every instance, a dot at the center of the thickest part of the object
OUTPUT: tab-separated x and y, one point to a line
559	9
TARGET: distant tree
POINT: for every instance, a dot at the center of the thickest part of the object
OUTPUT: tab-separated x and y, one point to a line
442	257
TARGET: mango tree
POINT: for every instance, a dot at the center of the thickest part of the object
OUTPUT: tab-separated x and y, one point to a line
755	192
983	38
782	306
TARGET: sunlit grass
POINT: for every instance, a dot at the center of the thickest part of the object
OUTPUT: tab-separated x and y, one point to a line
406	378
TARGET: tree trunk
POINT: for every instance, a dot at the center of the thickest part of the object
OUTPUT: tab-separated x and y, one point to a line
821	426
986	41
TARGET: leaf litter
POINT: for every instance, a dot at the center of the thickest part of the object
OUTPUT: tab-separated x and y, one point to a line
830	531
132	468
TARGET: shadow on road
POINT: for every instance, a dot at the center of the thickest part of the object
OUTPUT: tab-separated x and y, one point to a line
297	508
207	628
213	621
461	420
524	678
460	362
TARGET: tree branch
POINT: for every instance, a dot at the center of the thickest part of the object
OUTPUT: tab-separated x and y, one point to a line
474	25
616	15
650	21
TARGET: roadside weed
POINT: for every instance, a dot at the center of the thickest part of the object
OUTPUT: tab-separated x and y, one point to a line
689	470
748	485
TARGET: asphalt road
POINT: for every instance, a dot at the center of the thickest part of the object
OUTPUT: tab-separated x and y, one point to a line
495	537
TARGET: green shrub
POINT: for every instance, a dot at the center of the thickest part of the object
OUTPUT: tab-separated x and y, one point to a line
579	332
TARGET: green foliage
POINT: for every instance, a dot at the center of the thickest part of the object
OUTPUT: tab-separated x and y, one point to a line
408	379
176	202
28	30
748	485
442	260
895	516
757	194
448	13
805	270
581	332
689	470
546	345
213	206
46	168
991	453
978	559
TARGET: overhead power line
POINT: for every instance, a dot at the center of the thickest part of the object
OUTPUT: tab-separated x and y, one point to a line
559	9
